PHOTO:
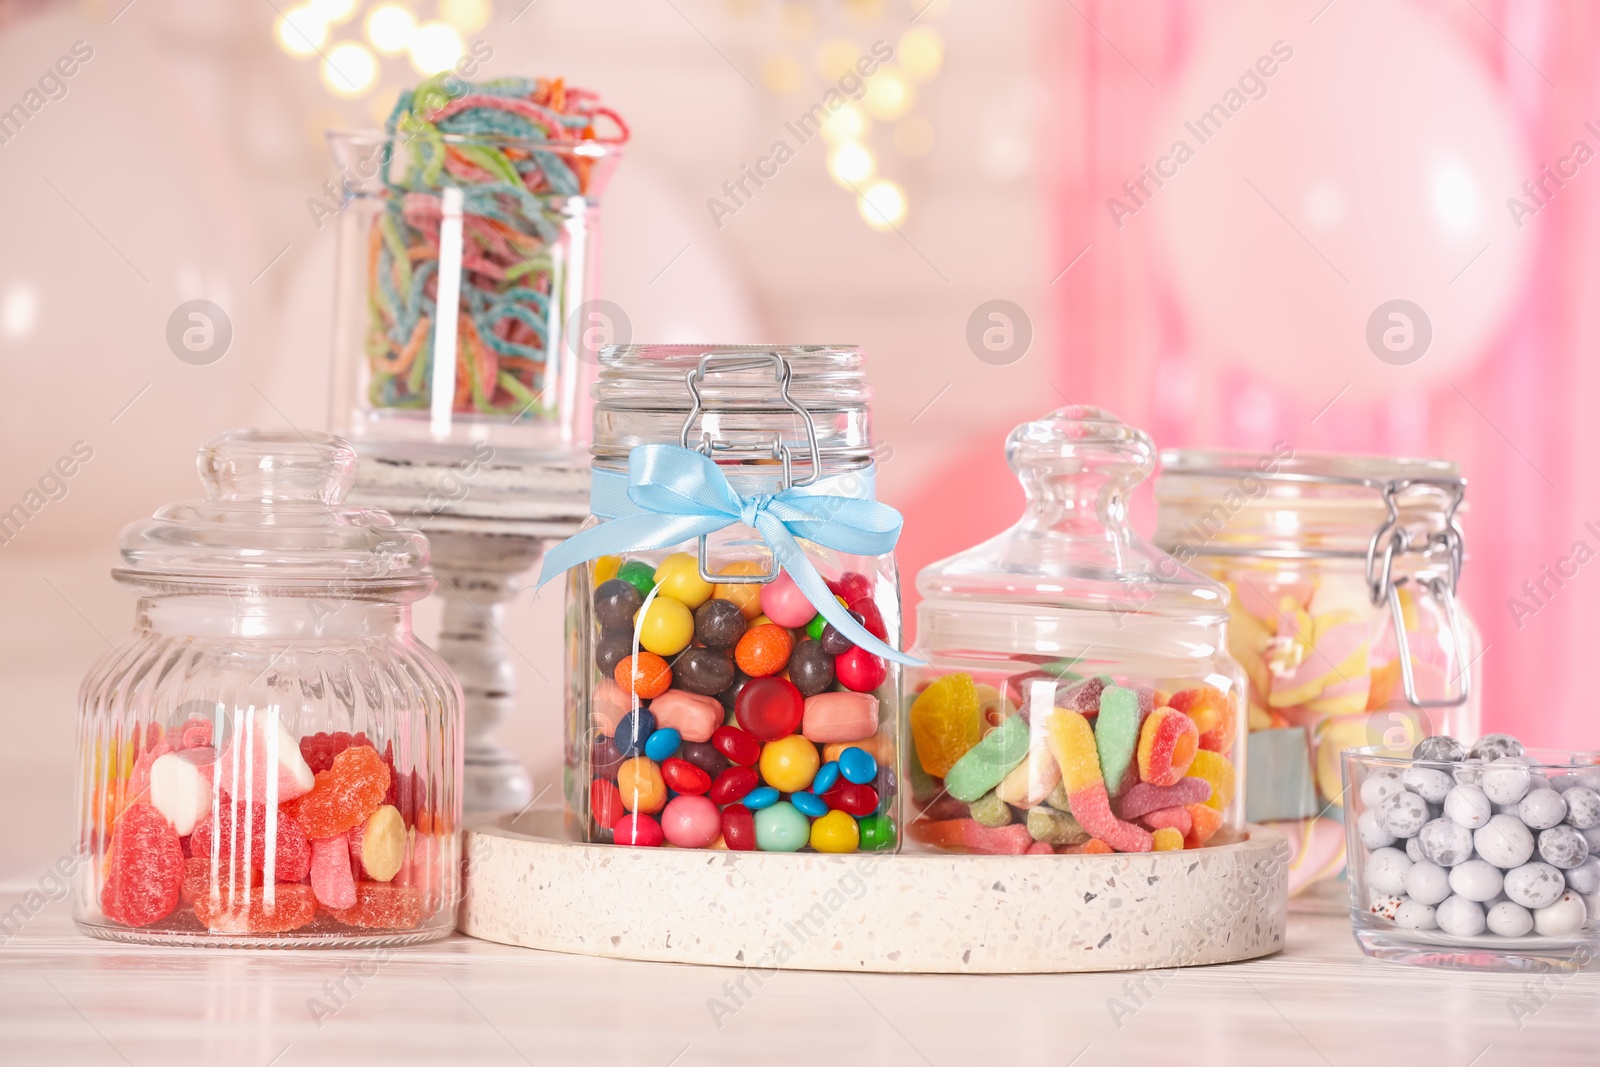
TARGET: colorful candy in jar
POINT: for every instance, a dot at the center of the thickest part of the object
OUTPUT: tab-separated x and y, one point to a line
784	714
1071	766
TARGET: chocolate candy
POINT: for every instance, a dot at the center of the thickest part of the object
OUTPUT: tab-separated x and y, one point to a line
810	668
707	671
835	643
705	756
633	731
615	603
719	624
611	648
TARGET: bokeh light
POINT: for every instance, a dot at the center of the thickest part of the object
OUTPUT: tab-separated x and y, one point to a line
390	28
851	163
435	47
301	31
846	124
921	53
467	16
350	69
888	94
882	205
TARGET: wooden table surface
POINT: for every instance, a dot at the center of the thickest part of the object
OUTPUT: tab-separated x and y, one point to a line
65	998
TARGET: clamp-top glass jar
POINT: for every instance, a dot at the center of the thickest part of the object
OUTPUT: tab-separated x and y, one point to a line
1078	695
271	758
1343	572
732	610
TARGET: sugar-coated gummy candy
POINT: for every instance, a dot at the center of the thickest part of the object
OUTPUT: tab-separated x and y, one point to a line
1142	797
1386	870
1212	712
1477	880
640	575
1217	771
1055	827
810	668
383	844
633	730
737	745
637	828
835	832
1168	744
1207	821
1071	741
1116	736
1429	783
694	715
1379	783
770	708
665	626
198	878
1444	842
691	822
1177	819
1506	780
145	878
615	603
663	744
1583	807
946	721
1439	748
1491	747
983	766
1504	841
1032	780
969	835
781	828
194	733
344	794
262	759
877	833
1461	917
1166	839
678	577
180	786
1563	847
683	777
860	671
1566	916
1403	814
840	717
273	909
645	675
784	603
1466	805
763	650
214	834
380	906
739	828
1534	885
1509	919
641	785
763	796
1427	883
858	800
990	810
332	882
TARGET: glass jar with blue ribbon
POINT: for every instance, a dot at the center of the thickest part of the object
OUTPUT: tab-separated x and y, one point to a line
733	611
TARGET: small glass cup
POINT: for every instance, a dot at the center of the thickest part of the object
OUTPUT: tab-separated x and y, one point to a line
1537	885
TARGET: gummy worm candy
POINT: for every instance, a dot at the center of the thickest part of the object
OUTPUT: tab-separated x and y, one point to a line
483	140
1071	740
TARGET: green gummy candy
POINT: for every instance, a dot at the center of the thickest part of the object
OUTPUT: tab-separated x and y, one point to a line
989	761
1055	827
1058	798
1116	735
990	810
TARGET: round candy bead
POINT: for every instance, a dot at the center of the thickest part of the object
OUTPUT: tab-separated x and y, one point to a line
1563	847
1414	916
746	597
611	648
1413	849
835	643
1386	871
1403	814
646	675
1583	807
615	603
1585	877
1541	809
662	744
604	758
739	828
818	624
877	833
1476	880
1565	916
633	731
734	784
783	602
759	798
835	832
737	745
810	668
789	763
719	624
1372	831
1505	781
640	575
1535	885
605	803
1460	917
666	627
857	765
1509	919
1427	883
637	828
1441	748
1429	783
691	821
679	578
763	650
781	828
808	803
641	785
1378	785
871	618
1445	843
706	671
770	708
1466	805
1504	841
851	586
705	756
1491	747
827	775
729	697
858	800
684	777
860	670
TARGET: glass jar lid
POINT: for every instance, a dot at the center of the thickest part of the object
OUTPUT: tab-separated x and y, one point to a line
1074	548
274	521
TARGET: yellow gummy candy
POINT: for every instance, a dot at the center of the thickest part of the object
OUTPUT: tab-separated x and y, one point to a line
946	721
1167	839
1072	743
1215	768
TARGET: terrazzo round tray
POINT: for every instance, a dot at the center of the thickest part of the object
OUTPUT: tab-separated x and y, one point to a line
525	884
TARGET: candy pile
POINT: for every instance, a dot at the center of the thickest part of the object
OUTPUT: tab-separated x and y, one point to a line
483	140
1465	841
1061	764
743	720
267	834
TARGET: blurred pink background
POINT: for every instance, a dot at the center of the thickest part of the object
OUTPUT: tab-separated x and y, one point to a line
1226	305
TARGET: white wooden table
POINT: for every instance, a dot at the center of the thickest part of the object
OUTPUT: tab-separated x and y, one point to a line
65	998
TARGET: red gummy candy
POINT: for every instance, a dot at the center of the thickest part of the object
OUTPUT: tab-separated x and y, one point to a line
1177	818
344	794
733	784
871	618
291	859
854	587
332	882
970	835
381	906
197	878
605	803
154	748
637	828
737	745
195	733
852	798
684	777
739	828
146	875
318	750
291	907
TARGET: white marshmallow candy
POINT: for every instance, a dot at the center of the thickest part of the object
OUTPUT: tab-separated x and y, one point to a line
180	786
1565	916
1476	880
1504	841
262	760
1535	885
1460	917
1466	805
1509	919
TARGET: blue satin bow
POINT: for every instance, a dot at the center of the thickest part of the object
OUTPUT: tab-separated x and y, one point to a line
672	495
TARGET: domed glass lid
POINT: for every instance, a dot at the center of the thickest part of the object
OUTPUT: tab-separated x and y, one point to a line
274	517
1073	547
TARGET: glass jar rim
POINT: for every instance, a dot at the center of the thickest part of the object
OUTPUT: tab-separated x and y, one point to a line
589	148
1332	468
1538	759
